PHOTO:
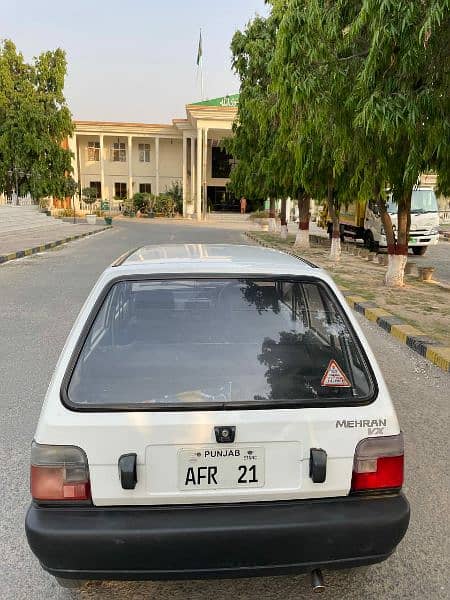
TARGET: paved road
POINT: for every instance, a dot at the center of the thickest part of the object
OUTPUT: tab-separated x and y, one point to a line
39	299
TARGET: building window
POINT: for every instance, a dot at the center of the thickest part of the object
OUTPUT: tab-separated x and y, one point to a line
93	149
119	153
120	190
145	188
221	165
144	152
98	186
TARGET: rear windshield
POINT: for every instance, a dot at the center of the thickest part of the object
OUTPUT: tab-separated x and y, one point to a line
218	343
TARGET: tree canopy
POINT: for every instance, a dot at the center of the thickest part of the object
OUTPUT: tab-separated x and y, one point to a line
256	129
34	122
356	97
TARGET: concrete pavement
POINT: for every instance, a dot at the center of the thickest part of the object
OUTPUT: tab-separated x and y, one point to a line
39	299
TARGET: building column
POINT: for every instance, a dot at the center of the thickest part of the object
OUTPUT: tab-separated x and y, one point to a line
73	147
192	170
102	168
184	174
130	164
204	173
157	165
198	208
78	177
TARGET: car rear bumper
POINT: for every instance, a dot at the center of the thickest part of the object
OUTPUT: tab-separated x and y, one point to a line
215	540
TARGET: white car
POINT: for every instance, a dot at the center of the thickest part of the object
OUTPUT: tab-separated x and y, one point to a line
216	411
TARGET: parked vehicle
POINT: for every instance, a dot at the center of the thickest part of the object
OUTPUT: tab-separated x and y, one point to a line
362	221
216	411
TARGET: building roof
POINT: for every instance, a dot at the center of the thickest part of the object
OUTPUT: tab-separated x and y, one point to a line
221	110
121	124
211	258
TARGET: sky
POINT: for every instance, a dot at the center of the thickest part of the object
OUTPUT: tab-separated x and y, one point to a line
132	60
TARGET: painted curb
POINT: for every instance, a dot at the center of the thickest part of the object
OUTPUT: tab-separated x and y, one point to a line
48	246
434	351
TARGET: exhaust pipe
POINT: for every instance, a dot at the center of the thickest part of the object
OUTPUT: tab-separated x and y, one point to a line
317	583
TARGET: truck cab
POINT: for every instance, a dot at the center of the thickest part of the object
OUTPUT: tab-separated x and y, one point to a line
361	220
424	230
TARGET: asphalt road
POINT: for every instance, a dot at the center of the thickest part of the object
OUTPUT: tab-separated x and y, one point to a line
39	299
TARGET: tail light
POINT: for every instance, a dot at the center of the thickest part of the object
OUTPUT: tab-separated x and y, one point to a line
378	464
59	474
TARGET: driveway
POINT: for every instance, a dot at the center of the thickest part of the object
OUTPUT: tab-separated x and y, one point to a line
39	299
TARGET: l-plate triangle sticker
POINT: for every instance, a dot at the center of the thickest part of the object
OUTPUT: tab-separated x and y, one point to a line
334	376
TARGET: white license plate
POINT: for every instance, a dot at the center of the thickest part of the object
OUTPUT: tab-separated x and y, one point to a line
210	468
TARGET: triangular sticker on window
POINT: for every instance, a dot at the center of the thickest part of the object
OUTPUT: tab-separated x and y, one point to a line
334	376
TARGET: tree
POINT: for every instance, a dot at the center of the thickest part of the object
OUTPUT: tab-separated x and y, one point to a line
89	195
314	84
70	187
34	122
255	129
402	101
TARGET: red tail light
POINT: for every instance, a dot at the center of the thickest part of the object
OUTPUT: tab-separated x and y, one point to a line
378	464
59	473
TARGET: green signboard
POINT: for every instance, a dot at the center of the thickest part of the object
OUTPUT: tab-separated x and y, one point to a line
104	205
224	101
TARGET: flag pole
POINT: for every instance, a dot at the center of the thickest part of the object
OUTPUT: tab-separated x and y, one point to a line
201	80
200	64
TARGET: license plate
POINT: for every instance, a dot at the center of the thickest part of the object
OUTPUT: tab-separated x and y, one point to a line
412	240
210	468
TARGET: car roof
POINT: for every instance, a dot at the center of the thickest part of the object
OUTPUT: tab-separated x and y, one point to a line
210	258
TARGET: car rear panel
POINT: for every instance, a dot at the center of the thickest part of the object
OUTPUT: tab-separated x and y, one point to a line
157	439
281	438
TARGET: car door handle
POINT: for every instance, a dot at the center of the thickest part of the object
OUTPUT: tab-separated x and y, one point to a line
128	471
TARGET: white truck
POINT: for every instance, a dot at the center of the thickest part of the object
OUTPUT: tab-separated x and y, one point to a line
362	221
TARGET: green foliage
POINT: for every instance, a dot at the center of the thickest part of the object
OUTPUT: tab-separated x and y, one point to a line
175	193
342	98
141	201
69	187
34	122
259	168
165	205
89	195
313	87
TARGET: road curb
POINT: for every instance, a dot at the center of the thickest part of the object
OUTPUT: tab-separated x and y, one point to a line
405	333
48	246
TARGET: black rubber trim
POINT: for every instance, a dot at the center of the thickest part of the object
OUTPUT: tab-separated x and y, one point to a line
205	406
171	542
123	257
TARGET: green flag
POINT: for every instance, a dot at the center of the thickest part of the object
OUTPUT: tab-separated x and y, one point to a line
200	50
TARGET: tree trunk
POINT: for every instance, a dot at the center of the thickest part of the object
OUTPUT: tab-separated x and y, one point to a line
272	208
272	215
302	237
397	247
284	228
335	252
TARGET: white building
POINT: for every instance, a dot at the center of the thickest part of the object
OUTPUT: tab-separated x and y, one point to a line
120	159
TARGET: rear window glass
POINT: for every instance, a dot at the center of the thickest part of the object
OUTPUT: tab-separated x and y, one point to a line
215	343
